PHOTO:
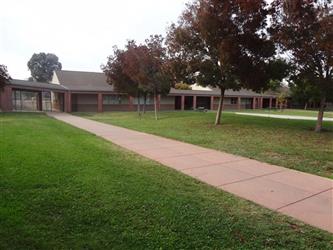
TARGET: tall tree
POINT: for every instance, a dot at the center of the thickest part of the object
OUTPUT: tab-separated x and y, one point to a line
4	75
135	59
43	65
156	69
303	92
304	31
114	70
145	65
223	44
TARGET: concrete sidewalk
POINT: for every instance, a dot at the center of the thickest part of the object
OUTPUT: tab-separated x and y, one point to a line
290	117
306	197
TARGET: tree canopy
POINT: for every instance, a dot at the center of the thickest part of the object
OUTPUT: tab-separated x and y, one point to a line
223	44
140	69
43	65
304	32
183	86
303	92
4	75
114	70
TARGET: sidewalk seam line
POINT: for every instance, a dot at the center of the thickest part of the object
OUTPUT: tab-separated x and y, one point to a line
210	165
251	178
189	154
292	203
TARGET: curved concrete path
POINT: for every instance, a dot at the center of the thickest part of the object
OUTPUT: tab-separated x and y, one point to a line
306	197
290	117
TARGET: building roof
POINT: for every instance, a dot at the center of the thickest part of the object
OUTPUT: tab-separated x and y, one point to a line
216	92
80	81
36	85
83	81
96	82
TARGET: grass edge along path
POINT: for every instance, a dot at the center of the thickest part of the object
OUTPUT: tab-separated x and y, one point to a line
293	112
288	143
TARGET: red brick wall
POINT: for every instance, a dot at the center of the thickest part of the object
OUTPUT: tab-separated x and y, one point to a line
116	107
230	106
128	107
6	99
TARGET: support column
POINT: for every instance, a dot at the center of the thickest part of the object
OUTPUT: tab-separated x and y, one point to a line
182	102
212	103
254	103
99	102
239	102
6	104
130	103
194	102
68	102
276	103
39	101
270	102
261	102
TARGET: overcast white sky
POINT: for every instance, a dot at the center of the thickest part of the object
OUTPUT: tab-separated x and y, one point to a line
81	33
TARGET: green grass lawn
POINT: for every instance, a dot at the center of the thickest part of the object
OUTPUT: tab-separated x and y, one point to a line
288	143
63	188
297	112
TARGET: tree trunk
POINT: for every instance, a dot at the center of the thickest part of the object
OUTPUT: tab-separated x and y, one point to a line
139	106
155	105
306	106
281	105
319	124
219	110
144	103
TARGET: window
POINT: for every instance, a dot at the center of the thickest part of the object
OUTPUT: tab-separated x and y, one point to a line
149	100
24	100
47	104
112	99
234	100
